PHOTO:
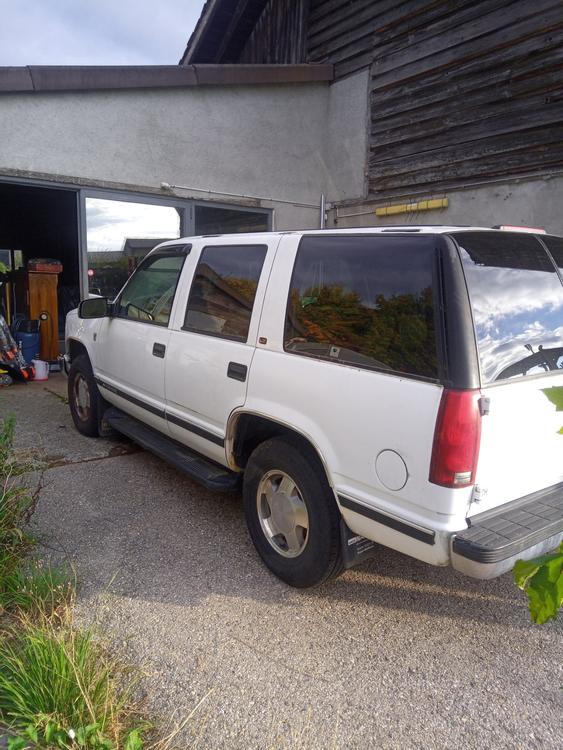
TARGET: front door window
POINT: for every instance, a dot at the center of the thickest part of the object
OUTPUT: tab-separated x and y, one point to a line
150	292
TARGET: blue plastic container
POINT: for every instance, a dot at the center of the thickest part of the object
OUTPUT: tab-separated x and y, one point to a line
26	336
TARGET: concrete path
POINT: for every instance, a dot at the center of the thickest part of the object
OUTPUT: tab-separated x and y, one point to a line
395	654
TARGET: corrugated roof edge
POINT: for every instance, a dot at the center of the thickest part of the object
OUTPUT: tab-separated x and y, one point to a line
42	78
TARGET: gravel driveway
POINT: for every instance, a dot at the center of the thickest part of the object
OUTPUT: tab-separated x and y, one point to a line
395	654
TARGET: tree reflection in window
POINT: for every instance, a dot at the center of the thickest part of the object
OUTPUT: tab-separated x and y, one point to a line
380	316
223	290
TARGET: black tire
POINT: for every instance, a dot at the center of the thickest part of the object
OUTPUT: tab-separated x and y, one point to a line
321	556
81	384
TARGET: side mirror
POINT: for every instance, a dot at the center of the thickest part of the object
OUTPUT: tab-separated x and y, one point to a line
97	307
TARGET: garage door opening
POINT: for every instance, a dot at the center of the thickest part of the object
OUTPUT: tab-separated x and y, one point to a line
39	223
119	233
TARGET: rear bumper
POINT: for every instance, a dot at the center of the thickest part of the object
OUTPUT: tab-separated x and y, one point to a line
522	529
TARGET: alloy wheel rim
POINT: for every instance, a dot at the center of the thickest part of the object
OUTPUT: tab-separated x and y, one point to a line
82	397
282	513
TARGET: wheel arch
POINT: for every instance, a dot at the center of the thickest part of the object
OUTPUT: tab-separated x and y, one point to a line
247	429
76	348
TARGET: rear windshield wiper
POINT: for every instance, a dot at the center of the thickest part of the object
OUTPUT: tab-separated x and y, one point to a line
546	358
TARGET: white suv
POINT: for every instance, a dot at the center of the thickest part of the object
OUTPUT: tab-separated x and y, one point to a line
400	386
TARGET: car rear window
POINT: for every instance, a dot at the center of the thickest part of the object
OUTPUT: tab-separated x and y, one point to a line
365	301
517	301
555	247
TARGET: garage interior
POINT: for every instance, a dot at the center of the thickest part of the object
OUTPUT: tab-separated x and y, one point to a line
39	223
41	249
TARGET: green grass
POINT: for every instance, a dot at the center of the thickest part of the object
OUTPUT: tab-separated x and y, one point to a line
59	686
33	587
7	441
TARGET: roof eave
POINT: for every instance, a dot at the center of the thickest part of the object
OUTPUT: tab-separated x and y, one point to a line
40	78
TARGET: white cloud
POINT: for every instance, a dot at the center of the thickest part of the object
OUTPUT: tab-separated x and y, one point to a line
95	32
109	223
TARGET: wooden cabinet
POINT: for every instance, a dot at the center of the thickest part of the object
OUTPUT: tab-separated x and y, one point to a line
36	297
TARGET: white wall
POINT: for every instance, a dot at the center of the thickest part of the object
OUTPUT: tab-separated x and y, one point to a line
526	202
267	140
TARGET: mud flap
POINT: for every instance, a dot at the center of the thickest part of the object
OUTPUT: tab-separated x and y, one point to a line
105	430
355	549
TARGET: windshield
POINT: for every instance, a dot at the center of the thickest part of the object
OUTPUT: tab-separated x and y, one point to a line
517	301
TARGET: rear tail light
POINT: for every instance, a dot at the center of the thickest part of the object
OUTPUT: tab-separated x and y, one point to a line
456	439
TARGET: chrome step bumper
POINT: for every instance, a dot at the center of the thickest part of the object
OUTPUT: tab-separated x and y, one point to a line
524	528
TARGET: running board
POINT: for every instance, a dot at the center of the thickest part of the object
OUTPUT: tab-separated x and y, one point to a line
206	472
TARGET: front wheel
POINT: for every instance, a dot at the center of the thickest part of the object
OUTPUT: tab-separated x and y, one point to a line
83	397
291	514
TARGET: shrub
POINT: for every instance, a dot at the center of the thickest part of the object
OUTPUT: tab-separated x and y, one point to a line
542	579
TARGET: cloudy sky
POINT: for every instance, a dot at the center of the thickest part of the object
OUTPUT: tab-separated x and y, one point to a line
95	32
109	223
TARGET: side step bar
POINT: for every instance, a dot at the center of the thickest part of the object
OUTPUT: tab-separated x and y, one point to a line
524	528
206	472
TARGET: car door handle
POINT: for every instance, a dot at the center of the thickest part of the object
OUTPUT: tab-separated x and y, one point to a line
236	371
158	350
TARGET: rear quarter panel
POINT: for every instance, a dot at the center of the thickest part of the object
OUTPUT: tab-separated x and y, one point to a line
350	415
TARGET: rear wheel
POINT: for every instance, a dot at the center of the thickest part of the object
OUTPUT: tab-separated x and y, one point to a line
83	397
291	514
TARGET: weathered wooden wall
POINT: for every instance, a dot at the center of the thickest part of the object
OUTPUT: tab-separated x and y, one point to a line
468	95
461	91
280	36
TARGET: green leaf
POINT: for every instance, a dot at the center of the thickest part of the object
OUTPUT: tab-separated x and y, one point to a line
543	599
542	579
50	731
31	732
133	741
523	571
80	737
17	743
555	395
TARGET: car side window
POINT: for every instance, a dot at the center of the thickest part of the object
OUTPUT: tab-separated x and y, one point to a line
149	294
223	290
365	301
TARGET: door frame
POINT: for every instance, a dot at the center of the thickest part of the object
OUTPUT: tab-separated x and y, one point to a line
185	207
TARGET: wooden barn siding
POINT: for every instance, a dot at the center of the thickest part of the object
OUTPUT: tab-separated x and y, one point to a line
280	36
461	91
475	95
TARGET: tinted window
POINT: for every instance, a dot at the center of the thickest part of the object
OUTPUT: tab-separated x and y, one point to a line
149	293
223	290
517	302
212	220
555	247
364	301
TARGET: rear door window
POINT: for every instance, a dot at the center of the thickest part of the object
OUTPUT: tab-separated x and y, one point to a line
517	302
366	302
223	290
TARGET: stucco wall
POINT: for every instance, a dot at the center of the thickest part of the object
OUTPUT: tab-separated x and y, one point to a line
347	138
527	202
267	140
